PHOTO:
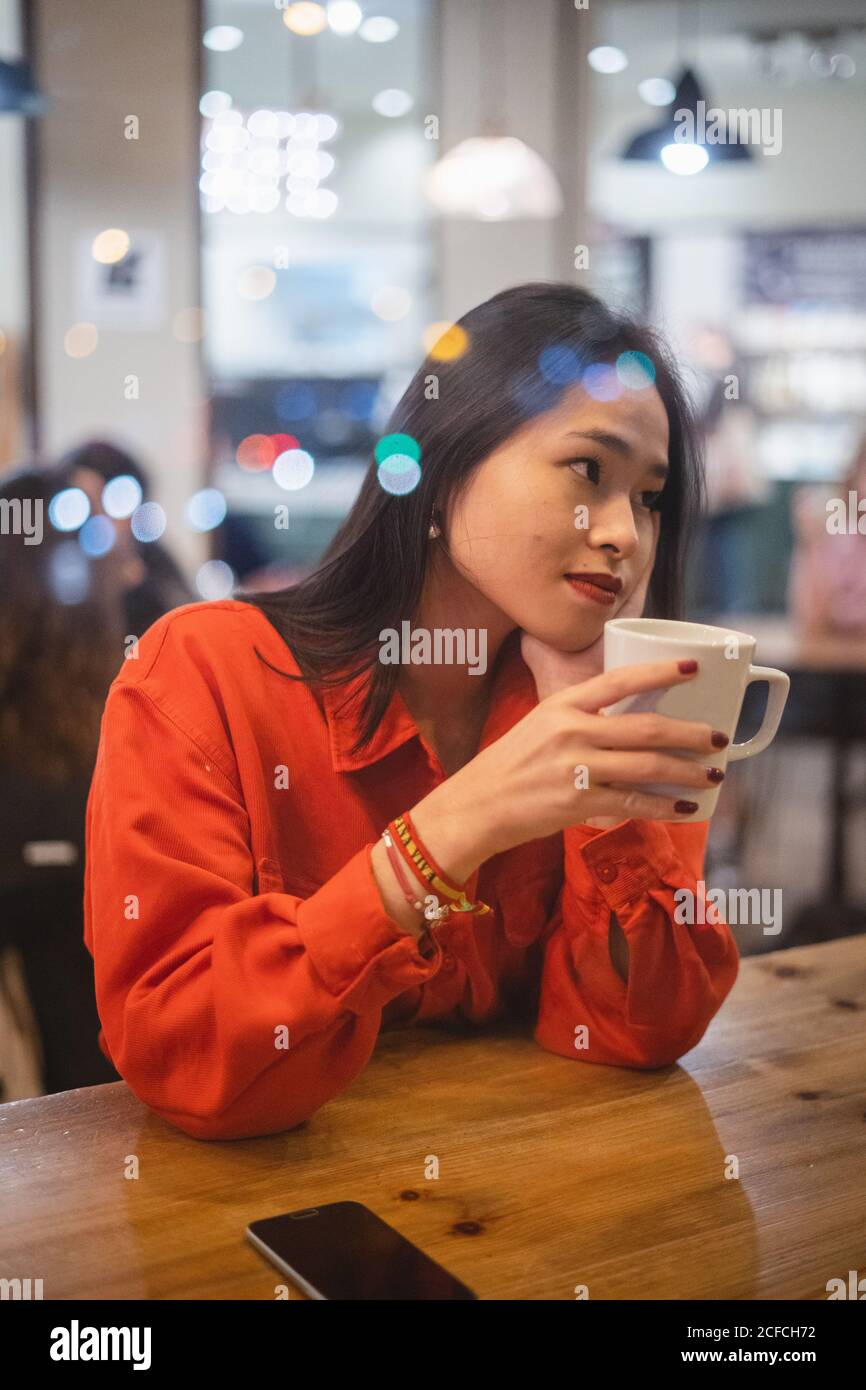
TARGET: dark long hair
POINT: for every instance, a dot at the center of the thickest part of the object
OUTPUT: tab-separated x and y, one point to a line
57	659
459	411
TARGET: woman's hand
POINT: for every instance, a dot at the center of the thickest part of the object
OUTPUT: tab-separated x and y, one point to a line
553	670
564	762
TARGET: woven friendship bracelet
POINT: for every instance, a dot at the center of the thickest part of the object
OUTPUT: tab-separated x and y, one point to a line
406	838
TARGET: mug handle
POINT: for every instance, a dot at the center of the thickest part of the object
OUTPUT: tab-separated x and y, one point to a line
777	696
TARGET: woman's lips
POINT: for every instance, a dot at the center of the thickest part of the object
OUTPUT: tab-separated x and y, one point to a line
587	589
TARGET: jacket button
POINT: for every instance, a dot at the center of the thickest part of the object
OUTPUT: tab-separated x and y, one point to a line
448	961
607	871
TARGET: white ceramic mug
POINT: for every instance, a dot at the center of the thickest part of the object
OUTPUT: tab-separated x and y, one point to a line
714	696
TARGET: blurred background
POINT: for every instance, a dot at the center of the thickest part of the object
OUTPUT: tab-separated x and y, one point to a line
230	229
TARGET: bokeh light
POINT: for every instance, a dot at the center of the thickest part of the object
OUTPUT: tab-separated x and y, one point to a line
69	509
255	453
148	522
399	444
560	364
607	59
80	340
206	509
635	370
392	101
281	442
97	536
657	91
223	38
445	341
344	16
121	495
600	381
293	469
256	282
685	158
215	580
110	246
379	28
305	18
213	102
399	474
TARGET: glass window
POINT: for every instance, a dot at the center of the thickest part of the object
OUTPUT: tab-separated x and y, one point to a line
316	251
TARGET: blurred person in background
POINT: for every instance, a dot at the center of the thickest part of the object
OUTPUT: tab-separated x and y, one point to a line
155	582
827	582
63	617
726	577
61	636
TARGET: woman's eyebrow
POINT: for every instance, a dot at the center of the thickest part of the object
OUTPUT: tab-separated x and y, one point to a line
618	445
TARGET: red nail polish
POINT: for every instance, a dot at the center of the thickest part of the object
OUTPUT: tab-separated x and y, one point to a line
719	740
715	774
685	808
687	667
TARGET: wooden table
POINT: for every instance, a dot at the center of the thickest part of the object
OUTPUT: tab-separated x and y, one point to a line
553	1172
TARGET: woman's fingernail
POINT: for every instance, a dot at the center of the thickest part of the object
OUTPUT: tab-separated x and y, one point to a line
715	774
685	808
687	667
719	740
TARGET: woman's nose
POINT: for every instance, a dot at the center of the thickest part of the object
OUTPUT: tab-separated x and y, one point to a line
611	523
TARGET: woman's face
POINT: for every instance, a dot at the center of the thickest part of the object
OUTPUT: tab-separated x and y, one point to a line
569	493
126	563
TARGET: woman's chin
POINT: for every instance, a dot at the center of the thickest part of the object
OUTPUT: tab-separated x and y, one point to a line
567	638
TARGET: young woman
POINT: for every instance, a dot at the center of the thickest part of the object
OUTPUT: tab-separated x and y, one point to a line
255	900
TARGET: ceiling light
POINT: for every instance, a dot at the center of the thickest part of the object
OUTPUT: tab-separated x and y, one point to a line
494	178
665	141
222	38
392	102
379	28
344	16
305	18
656	91
684	159
607	59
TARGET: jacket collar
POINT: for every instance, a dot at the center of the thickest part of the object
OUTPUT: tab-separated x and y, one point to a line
512	696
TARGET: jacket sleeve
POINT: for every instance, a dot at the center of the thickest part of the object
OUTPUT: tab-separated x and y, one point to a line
678	974
229	1013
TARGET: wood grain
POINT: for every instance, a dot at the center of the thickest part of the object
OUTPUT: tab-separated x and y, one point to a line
553	1173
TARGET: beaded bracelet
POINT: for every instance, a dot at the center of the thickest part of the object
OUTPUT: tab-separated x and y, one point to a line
427	945
406	838
433	910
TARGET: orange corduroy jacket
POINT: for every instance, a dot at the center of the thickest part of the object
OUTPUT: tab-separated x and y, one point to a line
244	961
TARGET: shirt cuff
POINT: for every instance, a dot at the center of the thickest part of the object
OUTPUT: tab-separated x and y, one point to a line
626	861
351	940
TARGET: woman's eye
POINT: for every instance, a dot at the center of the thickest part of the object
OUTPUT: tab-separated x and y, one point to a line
592	467
651	500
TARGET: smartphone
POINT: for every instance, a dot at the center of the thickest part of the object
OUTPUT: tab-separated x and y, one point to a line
343	1250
